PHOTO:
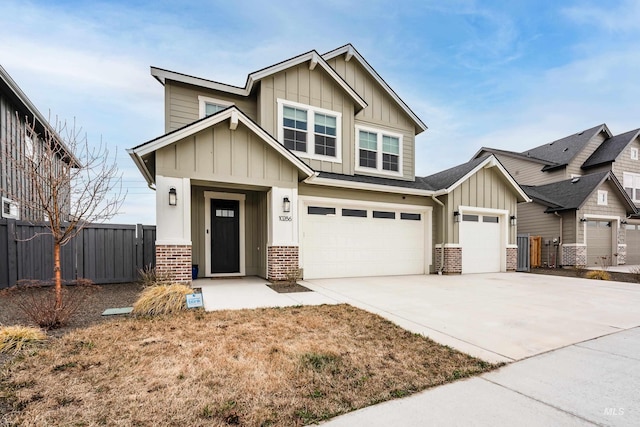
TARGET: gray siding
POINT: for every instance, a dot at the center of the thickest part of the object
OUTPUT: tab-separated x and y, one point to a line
624	163
230	156
529	172
182	106
614	207
574	165
382	111
317	89
534	221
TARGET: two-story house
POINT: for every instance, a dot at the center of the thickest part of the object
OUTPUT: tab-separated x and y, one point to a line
21	129
311	165
585	189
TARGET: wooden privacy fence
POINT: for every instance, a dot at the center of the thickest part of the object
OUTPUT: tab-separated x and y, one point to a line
102	253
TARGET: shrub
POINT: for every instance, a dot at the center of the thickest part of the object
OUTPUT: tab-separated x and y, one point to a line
36	299
162	299
14	338
149	276
598	275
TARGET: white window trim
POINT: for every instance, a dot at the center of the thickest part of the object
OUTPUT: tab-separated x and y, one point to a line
29	147
380	132
634	178
14	209
204	100
311	110
603	197
634	153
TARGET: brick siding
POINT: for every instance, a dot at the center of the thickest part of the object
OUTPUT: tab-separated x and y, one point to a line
452	260
281	261
175	261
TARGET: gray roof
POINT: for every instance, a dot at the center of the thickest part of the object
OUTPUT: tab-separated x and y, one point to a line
570	194
418	184
610	149
560	152
446	178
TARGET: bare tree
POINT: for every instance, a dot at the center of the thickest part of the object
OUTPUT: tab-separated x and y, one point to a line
63	180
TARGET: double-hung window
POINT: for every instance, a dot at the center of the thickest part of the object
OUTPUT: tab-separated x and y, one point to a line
631	184
209	106
309	131
378	151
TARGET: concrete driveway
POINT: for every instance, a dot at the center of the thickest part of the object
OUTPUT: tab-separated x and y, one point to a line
496	317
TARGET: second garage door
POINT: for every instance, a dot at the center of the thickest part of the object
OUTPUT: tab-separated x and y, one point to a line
633	244
598	243
481	242
343	240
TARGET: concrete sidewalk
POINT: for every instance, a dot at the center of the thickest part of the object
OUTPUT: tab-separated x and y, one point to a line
596	382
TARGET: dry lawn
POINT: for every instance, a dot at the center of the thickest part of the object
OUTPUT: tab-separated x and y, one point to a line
290	366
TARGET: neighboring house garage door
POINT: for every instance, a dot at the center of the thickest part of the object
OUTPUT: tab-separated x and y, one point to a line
353	240
598	243
481	242
633	244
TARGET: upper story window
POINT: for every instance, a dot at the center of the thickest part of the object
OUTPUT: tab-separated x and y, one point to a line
28	147
209	106
602	197
310	131
634	153
631	184
378	150
10	209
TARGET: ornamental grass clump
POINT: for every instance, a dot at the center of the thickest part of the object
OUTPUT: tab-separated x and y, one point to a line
598	275
13	339
161	300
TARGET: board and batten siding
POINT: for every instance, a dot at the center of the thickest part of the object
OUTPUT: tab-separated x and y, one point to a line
317	89
382	111
255	228
533	220
182	106
219	154
487	188
614	206
573	168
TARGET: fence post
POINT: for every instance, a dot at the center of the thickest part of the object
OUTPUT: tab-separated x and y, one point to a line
12	252
139	247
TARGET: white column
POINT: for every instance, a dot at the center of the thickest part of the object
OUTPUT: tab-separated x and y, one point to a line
173	223
283	226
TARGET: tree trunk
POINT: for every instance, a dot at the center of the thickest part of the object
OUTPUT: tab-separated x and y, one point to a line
57	275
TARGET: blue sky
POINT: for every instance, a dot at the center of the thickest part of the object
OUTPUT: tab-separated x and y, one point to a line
509	75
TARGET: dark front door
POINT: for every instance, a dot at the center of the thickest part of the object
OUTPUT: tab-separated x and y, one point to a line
225	236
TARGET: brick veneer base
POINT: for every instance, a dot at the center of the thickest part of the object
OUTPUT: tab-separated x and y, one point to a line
512	259
452	260
281	262
174	261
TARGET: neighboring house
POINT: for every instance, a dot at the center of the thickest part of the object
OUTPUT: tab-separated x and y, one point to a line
311	165
585	188
17	115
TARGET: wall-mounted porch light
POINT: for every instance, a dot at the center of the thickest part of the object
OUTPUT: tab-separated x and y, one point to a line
286	205
173	196
513	220
624	222
583	219
456	216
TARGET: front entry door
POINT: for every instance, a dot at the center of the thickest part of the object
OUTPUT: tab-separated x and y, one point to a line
225	236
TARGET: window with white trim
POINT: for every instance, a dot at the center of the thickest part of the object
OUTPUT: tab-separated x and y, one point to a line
631	184
310	131
634	153
10	209
209	106
378	151
602	197
28	147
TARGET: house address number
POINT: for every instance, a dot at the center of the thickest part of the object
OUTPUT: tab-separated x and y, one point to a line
285	218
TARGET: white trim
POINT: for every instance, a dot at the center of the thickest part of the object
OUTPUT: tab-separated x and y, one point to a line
574	245
14	209
350	52
328	182
174	242
311	110
504	229
603	196
380	132
448	245
204	100
597	217
426	211
634	153
163	75
512	246
208	196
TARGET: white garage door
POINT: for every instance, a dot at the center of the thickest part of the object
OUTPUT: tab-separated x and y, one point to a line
343	240
481	243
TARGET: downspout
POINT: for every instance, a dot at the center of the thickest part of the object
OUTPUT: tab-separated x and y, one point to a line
559	240
444	233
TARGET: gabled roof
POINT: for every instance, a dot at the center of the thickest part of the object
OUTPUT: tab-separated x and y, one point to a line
449	179
20	98
231	113
481	153
610	149
312	57
571	194
560	152
350	52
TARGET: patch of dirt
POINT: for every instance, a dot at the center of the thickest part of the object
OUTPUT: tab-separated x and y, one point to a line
287	288
580	272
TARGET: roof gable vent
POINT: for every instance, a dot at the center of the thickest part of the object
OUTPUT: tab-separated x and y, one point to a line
576	179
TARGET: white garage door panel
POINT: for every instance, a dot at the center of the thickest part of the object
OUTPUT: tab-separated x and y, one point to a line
481	246
338	246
